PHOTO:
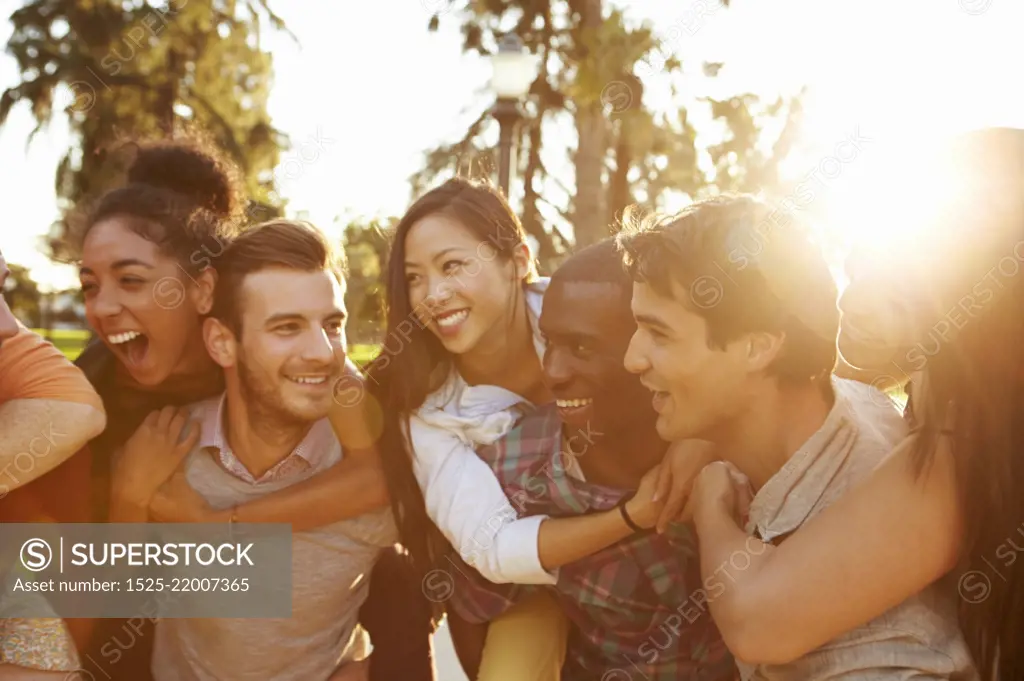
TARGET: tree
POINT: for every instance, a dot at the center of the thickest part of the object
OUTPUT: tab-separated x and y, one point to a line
587	54
595	66
22	295
366	249
741	163
123	69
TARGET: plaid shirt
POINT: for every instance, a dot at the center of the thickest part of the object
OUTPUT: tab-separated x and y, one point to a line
638	607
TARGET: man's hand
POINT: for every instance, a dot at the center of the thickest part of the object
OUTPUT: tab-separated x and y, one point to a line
178	502
676	473
720	486
152	454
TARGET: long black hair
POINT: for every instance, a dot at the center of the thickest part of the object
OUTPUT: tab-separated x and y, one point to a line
413	363
973	394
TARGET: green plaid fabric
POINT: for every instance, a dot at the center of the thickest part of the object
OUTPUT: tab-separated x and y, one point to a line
638	607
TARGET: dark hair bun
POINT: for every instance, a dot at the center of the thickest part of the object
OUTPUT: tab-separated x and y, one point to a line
191	169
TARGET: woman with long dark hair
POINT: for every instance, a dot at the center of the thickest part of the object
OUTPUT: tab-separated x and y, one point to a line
946	504
461	360
460	364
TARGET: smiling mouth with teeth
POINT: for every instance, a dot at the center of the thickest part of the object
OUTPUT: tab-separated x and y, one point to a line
450	319
124	337
308	380
574	404
132	343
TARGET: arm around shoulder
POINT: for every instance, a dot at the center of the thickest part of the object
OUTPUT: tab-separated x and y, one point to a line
36	435
351	488
884	541
467	503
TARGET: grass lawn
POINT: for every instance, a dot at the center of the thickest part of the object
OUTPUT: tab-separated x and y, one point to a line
72	341
363	354
69	341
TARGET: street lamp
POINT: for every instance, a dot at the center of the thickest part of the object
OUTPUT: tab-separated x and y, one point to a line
514	70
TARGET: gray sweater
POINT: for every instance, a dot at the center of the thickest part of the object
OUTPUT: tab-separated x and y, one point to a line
330	576
918	639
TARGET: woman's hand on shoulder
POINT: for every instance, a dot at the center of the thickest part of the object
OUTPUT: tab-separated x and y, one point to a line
152	453
677	472
645	507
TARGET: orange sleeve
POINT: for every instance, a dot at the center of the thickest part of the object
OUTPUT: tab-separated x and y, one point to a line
32	368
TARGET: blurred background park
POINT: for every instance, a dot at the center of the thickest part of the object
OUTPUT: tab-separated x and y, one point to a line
340	113
581	107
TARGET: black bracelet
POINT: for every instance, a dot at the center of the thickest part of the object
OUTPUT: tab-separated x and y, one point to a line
625	514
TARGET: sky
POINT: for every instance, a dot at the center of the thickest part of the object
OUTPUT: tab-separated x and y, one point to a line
368	89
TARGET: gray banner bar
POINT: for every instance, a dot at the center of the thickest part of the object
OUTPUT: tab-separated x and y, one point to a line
145	570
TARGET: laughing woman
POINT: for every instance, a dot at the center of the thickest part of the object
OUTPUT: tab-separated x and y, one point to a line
148	267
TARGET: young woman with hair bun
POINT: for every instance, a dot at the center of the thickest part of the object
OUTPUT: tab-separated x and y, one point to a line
148	257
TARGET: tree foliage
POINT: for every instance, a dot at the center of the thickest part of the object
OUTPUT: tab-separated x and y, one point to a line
590	143
366	249
22	295
120	69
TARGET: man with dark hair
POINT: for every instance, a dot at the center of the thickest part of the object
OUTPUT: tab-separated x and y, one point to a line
735	313
635	607
278	330
737	324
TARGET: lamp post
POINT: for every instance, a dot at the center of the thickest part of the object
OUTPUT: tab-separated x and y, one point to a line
514	71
